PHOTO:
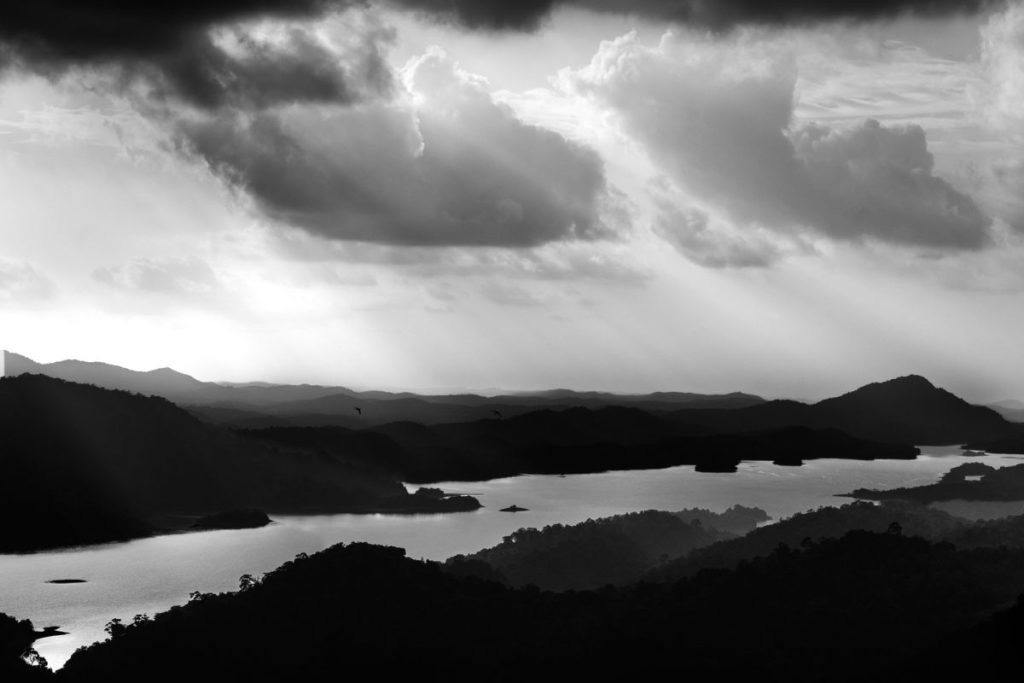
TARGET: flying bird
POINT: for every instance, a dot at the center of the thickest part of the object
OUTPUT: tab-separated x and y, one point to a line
496	413
359	410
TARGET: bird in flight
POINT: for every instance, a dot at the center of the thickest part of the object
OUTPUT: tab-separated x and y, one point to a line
359	410
496	413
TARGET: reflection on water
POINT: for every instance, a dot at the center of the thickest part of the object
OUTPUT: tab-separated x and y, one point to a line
150	575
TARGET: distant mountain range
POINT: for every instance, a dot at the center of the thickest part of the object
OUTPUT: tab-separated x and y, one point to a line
903	410
98	442
261	404
165	382
1011	409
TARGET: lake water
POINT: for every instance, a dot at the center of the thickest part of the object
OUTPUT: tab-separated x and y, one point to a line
149	575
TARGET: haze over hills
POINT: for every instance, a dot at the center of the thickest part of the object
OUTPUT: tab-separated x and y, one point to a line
261	404
106	451
908	409
1011	409
165	382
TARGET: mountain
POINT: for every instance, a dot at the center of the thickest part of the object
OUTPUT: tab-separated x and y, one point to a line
903	410
161	382
912	409
165	382
82	464
259	404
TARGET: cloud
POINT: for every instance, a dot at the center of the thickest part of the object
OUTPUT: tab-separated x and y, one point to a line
207	55
50	35
717	118
21	283
1002	58
444	165
174	276
201	52
508	294
236	68
614	262
718	15
62	31
1001	104
690	232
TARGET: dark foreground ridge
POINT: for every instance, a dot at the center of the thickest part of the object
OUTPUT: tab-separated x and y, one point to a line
861	607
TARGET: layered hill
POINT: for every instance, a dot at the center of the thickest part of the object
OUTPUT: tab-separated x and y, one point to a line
839	610
81	464
262	404
612	550
165	382
903	410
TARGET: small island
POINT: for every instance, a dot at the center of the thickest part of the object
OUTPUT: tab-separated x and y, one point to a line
64	581
429	500
514	508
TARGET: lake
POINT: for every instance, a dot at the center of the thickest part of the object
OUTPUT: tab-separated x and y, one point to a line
149	575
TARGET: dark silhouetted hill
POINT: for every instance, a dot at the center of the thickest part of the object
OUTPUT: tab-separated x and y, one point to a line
262	404
612	550
903	410
912	409
814	525
1008	443
83	464
575	440
838	610
986	483
989	651
16	638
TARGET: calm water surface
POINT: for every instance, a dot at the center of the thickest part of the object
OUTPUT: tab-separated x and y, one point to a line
150	575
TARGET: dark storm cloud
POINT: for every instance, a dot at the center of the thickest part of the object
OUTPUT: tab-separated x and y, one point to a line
172	39
62	31
59	31
298	70
713	14
171	47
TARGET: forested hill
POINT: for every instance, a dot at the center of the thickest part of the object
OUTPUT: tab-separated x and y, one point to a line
847	609
82	464
611	550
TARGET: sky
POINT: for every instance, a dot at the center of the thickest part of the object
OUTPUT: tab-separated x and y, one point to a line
790	198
